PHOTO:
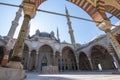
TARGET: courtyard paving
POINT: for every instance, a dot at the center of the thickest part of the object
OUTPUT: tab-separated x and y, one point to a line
73	76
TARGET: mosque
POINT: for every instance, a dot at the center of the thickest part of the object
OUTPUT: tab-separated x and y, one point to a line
44	49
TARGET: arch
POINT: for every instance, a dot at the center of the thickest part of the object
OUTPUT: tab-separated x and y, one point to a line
1	53
25	56
114	11
45	48
84	63
101	59
45	51
68	59
97	13
26	48
32	60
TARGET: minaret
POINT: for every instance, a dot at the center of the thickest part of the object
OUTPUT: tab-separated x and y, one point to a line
70	27
58	35
14	23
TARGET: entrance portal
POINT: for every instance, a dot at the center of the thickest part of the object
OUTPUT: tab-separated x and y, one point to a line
44	62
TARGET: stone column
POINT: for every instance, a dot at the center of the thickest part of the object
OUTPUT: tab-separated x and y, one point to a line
61	63
115	60
29	12
91	65
28	60
36	62
15	61
54	59
77	62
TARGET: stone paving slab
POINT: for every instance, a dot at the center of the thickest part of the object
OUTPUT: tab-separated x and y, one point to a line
35	76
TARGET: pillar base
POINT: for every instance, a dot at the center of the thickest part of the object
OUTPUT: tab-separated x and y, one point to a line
11	74
15	65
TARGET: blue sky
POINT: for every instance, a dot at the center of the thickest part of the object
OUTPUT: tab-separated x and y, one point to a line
84	31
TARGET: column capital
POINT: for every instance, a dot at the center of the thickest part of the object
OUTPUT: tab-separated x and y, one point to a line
104	25
29	9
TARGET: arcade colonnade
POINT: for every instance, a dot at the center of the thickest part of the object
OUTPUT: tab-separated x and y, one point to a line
97	59
45	55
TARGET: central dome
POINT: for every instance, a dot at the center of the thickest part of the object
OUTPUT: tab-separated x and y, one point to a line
44	34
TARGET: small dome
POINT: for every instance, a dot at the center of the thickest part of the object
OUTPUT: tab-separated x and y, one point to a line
37	32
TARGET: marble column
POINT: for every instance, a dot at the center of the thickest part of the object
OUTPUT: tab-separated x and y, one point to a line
29	8
36	62
61	63
116	62
15	61
54	59
77	62
91	65
28	60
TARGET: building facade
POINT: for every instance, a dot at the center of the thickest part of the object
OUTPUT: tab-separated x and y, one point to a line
44	49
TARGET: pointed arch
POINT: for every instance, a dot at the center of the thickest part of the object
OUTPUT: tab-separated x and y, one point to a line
101	56
97	13
68	59
84	62
45	51
26	48
45	48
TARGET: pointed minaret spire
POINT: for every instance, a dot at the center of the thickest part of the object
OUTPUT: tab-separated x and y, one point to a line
58	35
14	23
70	26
